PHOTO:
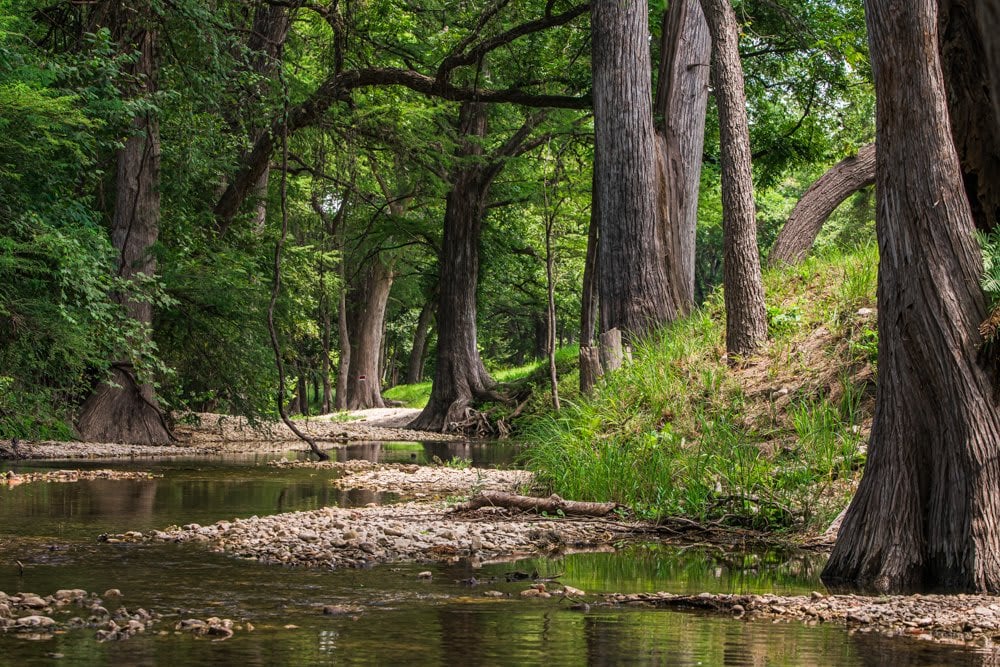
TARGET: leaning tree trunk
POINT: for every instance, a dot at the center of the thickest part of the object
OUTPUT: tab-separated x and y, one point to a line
415	365
124	409
366	315
746	317
970	107
817	204
459	374
681	101
634	292
927	514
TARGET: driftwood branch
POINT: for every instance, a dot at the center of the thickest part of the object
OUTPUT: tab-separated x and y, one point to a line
551	505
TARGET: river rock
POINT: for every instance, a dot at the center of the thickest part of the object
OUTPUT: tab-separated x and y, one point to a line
34	622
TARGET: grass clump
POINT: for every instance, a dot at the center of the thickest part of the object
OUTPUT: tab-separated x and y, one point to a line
773	443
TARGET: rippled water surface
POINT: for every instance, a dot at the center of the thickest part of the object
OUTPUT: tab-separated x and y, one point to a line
402	619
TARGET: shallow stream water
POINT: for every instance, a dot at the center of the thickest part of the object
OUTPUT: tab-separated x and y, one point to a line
52	528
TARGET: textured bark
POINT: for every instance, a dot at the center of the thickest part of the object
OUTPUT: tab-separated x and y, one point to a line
415	366
589	299
926	513
746	317
819	202
459	374
327	324
366	316
970	106
681	101
633	288
128	412
590	368
344	366
612	353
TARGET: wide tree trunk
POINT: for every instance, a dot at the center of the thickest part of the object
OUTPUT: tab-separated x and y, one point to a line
125	410
634	292
459	374
681	101
970	107
746	317
927	512
366	315
415	365
817	204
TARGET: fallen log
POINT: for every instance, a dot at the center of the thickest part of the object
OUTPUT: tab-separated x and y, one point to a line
551	505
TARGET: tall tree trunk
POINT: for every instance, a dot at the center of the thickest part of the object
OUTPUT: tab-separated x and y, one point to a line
746	317
817	204
927	513
634	292
459	374
366	315
302	390
415	366
681	102
970	107
265	45
327	404
344	367
589	298
550	285
124	410
589	361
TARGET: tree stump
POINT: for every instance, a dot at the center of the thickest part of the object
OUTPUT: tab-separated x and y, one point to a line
590	368
612	356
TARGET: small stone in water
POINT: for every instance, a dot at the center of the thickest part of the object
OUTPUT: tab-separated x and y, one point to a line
426	574
112	593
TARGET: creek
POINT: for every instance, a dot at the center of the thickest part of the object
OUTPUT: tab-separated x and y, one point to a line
398	617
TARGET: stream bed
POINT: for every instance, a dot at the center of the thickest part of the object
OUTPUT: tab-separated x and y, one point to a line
394	616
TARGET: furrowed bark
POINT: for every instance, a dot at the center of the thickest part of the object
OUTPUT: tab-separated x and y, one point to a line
848	176
681	101
926	514
634	293
746	316
125	409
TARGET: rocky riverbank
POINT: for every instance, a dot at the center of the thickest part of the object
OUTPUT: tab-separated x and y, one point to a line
36	617
335	538
951	619
209	434
414	481
11	478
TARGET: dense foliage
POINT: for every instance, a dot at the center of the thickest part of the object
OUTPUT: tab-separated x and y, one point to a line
368	174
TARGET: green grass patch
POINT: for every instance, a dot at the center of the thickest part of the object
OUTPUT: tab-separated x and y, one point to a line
677	432
410	395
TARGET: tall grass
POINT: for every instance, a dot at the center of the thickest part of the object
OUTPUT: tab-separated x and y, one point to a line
675	432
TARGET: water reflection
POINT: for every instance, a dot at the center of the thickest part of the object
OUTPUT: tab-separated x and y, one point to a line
52	528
